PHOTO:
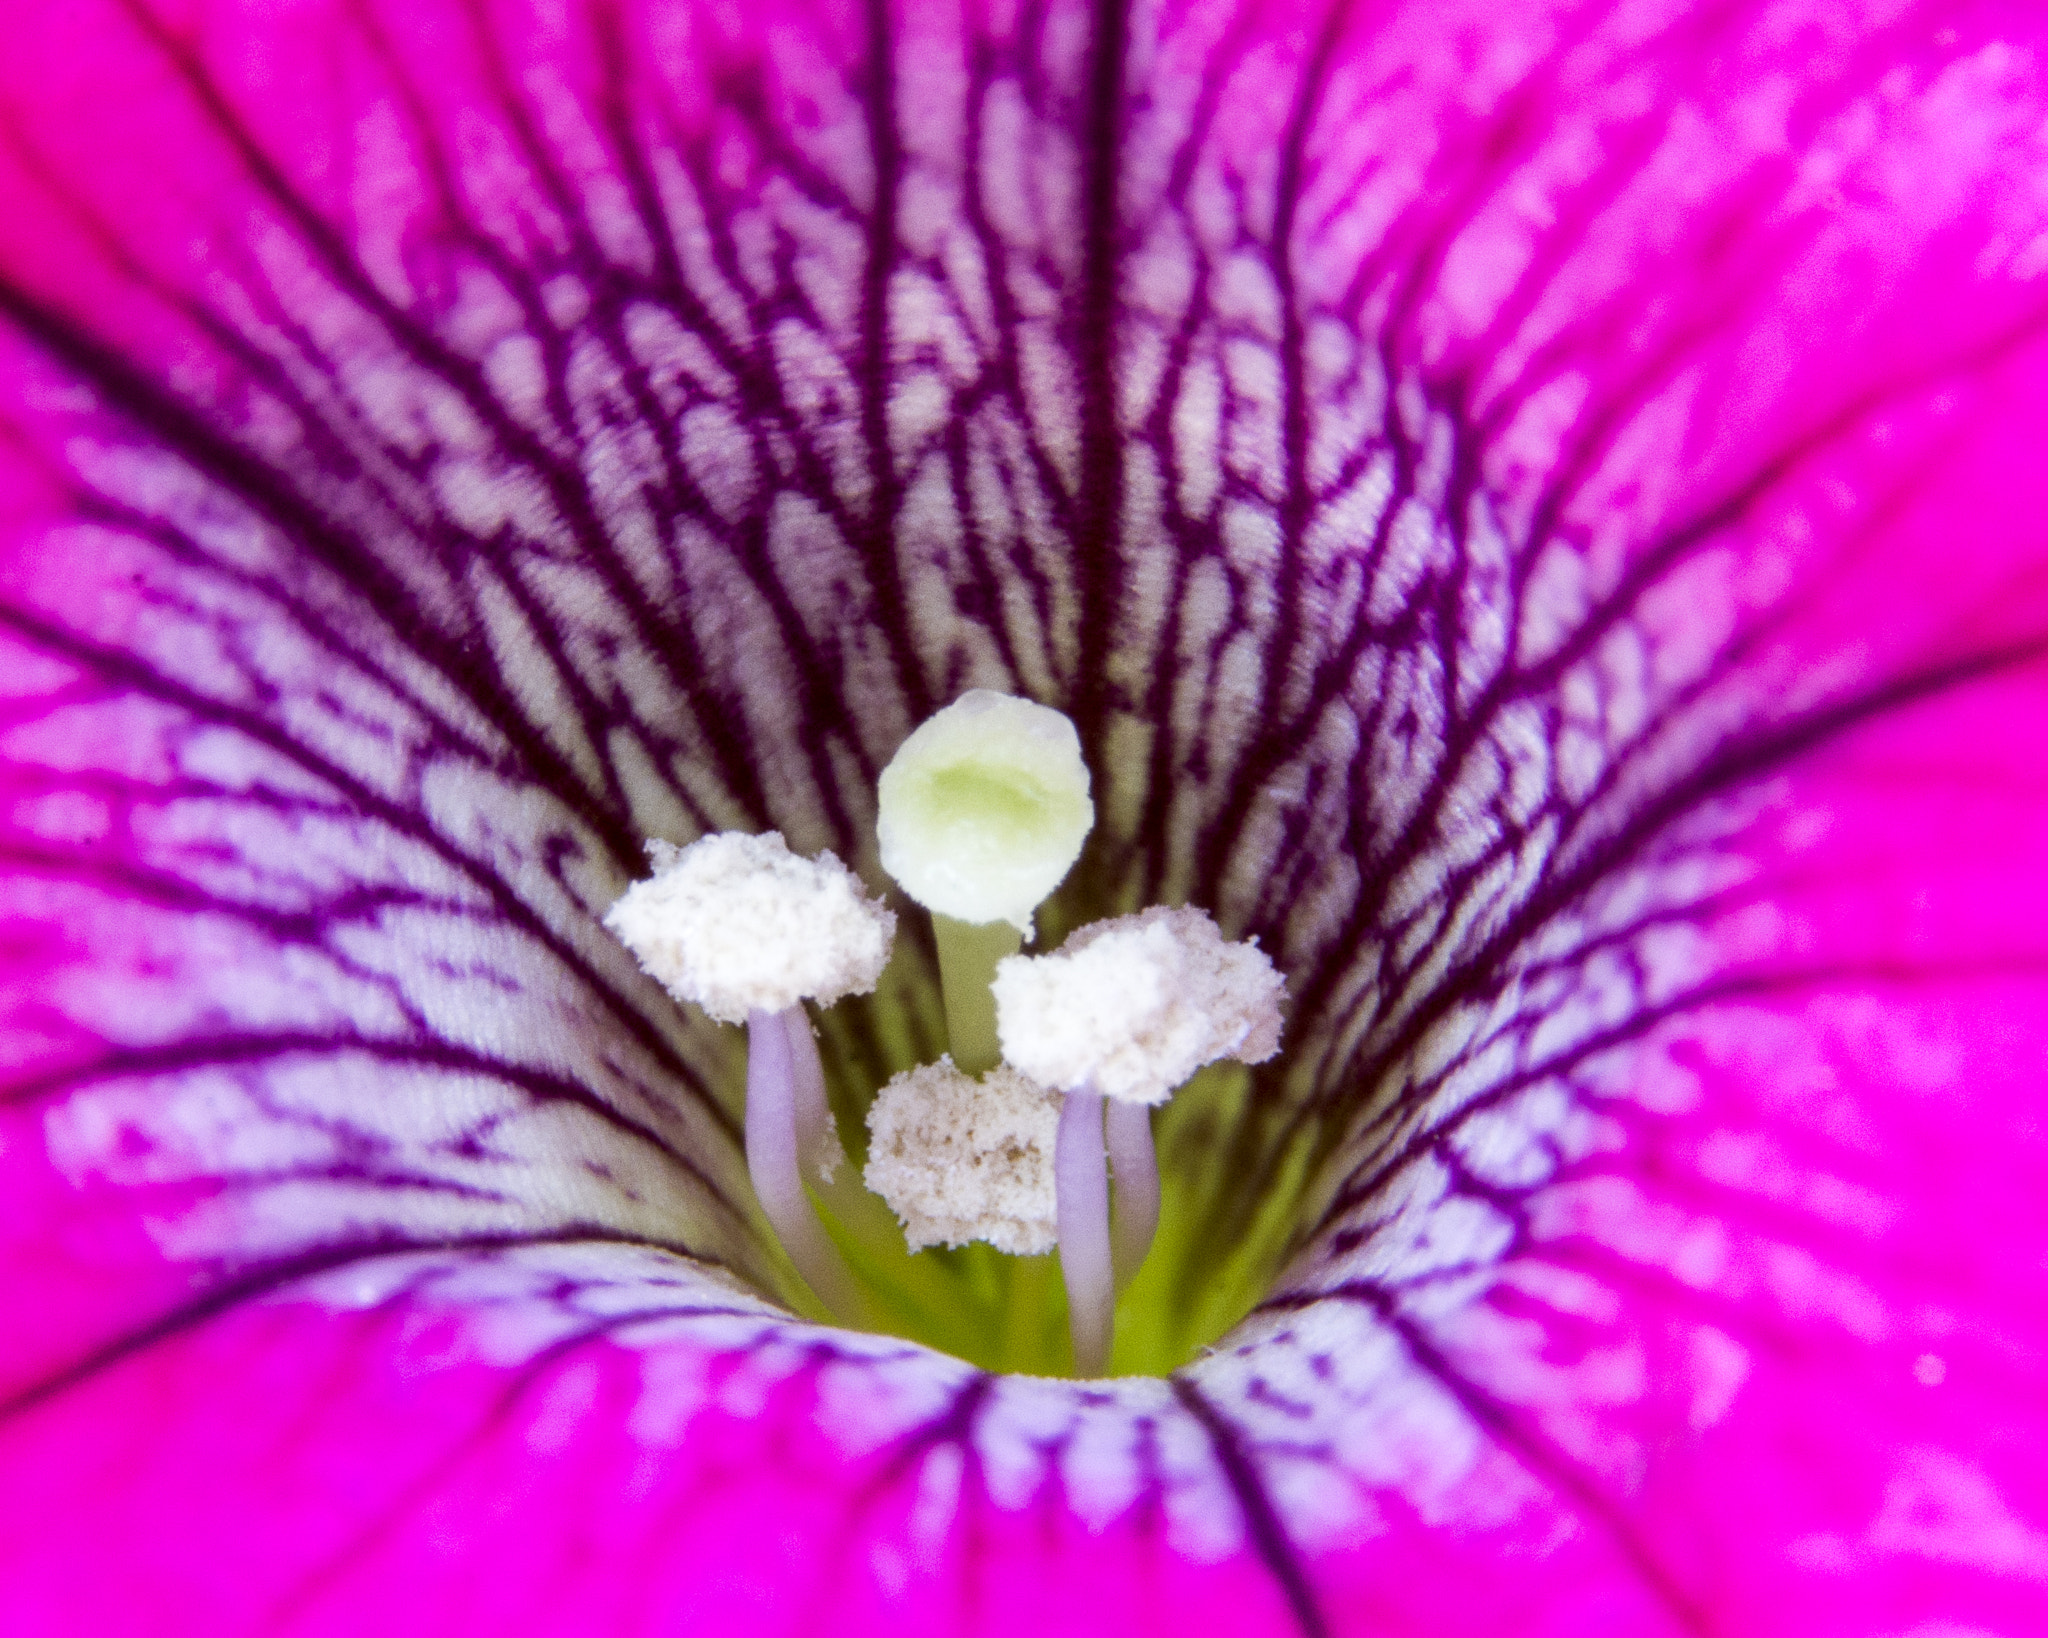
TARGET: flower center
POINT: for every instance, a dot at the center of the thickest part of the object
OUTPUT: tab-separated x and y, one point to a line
1006	1147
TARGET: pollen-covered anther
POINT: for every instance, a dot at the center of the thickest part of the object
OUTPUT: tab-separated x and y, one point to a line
738	924
959	1159
1132	1007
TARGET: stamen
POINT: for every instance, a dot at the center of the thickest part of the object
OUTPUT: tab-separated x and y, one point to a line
960	1160
1126	1009
818	1149
774	1145
1084	1232
745	929
1137	1004
982	812
1136	1169
738	924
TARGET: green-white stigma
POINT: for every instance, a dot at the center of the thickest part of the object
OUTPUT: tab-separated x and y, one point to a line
984	809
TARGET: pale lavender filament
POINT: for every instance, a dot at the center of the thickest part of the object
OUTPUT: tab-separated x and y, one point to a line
1082	1183
817	1138
776	1091
1136	1167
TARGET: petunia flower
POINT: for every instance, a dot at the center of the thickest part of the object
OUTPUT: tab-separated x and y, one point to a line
1536	513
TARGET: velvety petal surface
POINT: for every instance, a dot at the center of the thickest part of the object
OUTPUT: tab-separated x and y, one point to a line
1536	515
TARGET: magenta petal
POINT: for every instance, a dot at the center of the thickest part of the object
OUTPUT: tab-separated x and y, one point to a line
1537	518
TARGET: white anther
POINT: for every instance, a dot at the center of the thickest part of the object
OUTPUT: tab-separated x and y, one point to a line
1134	1006
959	1159
738	924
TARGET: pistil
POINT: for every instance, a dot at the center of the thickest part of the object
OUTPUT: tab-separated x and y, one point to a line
968	955
981	814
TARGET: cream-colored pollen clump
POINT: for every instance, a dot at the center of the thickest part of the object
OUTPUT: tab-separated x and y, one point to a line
959	1159
740	924
1132	1007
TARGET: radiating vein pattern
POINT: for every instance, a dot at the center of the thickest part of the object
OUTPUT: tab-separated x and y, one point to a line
636	432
